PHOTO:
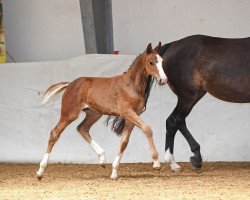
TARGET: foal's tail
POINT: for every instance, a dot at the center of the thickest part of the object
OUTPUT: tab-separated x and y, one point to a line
54	89
117	124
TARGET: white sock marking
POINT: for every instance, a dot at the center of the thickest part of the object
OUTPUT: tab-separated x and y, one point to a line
99	150
160	69
169	158
43	165
115	166
156	163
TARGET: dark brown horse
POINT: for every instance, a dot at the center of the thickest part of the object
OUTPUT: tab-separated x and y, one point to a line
196	65
123	96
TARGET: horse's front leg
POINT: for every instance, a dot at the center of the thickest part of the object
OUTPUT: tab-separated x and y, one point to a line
124	142
134	118
171	129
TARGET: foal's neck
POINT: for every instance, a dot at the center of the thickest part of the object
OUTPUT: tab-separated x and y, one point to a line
137	74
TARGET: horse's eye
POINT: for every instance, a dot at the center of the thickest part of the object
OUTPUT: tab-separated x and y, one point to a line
151	62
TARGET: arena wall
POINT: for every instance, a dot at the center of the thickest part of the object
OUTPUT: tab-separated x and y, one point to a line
136	23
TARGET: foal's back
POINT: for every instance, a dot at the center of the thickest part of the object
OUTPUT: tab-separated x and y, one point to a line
104	95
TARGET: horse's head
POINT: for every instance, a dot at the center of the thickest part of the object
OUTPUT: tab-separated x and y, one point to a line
154	64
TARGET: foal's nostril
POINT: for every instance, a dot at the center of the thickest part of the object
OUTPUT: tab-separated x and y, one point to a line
162	81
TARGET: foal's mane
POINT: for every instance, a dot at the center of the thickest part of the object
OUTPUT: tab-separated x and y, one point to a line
118	123
132	63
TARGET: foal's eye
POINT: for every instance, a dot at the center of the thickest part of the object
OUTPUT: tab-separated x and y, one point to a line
151	62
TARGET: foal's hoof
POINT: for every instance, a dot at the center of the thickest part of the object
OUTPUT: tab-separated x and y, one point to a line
157	169
196	162
39	177
39	174
114	177
102	166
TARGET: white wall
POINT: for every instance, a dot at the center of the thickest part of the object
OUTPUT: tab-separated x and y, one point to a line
43	30
221	128
138	22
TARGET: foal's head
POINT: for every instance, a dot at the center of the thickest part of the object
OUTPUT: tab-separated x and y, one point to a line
154	64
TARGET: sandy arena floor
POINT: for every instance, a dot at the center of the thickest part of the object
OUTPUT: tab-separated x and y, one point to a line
136	181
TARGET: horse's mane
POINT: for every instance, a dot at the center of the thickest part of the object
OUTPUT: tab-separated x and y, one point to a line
118	123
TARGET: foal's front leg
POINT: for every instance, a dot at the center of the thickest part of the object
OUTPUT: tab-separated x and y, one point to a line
124	142
134	118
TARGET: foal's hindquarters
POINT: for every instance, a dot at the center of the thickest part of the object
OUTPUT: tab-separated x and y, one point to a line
80	95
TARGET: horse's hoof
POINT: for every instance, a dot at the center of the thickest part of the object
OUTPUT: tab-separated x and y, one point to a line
196	162
102	166
198	170
177	169
174	167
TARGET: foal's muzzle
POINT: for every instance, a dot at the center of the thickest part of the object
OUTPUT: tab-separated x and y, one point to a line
163	81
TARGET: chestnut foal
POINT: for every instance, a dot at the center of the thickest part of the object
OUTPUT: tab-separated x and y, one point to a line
123	96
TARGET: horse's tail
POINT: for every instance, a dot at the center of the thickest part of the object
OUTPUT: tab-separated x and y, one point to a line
54	89
164	48
118	124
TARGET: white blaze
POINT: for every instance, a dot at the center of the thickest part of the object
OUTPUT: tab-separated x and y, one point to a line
160	69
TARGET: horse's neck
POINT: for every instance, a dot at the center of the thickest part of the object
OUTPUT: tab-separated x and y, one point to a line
137	74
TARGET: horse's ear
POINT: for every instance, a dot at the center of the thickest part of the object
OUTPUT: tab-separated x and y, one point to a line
149	48
158	47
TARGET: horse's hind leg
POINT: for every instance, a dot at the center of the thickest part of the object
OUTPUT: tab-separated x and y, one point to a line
124	142
84	127
54	135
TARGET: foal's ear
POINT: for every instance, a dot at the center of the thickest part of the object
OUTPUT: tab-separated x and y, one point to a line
158	47
149	48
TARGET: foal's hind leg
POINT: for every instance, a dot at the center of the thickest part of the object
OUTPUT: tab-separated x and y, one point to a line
54	135
83	129
69	112
124	142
